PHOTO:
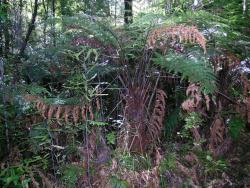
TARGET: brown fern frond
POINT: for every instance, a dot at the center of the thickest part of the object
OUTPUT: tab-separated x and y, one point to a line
98	105
45	108
91	114
180	32
67	113
158	115
195	100
75	113
39	105
71	113
219	143
30	98
51	111
83	113
59	111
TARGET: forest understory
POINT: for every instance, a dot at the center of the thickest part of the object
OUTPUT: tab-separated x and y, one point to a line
123	94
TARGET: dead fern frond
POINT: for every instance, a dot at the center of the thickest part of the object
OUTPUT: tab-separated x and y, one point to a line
83	113
75	113
45	108
219	143
195	101
59	111
180	32
156	122
91	114
70	113
51	111
67	113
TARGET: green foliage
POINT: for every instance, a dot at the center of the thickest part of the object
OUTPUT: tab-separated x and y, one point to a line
78	85
70	174
62	72
134	162
235	127
37	90
146	20
193	120
213	167
86	26
111	137
39	138
11	177
195	70
118	183
97	123
3	12
98	7
217	29
19	175
172	122
168	163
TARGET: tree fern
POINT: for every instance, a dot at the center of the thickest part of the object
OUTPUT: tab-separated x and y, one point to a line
83	25
196	70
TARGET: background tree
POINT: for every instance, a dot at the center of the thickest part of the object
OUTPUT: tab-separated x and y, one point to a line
128	11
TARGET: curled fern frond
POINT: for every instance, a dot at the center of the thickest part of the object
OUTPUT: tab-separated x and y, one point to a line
195	70
180	32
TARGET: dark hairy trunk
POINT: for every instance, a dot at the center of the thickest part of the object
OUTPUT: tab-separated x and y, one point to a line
128	12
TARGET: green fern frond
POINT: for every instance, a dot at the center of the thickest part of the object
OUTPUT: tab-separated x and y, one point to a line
195	70
87	26
172	122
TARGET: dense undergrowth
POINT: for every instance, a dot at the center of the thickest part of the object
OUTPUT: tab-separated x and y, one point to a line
162	102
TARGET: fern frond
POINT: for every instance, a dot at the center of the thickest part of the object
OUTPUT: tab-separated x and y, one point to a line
195	70
148	20
82	25
172	122
180	32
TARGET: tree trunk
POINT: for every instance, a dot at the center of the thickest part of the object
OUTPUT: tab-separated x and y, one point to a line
128	12
1	34
46	15
6	24
245	7
53	8
24	44
197	4
18	24
30	29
